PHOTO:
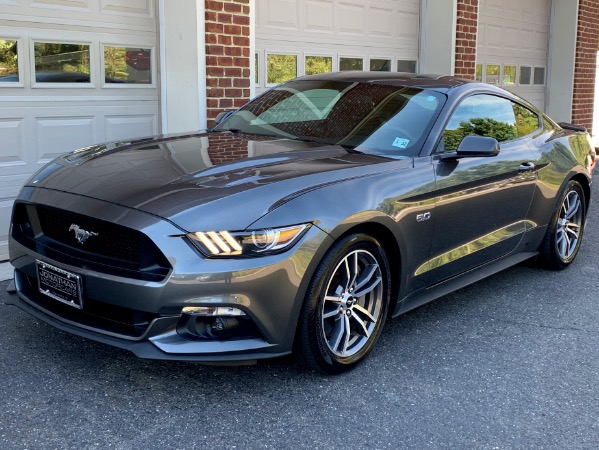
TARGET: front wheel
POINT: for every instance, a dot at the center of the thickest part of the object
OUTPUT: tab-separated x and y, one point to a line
346	305
564	234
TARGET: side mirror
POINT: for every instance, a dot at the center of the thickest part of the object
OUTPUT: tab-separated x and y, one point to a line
474	146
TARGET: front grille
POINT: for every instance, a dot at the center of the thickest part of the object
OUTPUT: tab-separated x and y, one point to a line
114	249
112	241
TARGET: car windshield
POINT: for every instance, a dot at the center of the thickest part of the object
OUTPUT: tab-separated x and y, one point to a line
372	118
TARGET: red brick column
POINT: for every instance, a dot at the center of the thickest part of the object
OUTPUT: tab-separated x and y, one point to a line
227	55
585	68
465	45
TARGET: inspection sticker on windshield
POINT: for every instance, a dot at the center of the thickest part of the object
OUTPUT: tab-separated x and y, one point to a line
400	142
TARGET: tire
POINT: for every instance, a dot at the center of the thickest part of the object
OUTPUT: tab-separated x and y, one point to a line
346	306
564	234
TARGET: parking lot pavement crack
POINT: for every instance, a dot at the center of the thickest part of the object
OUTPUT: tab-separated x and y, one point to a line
540	325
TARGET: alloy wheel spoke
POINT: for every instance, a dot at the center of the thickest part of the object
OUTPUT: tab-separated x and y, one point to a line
347	333
331	312
572	207
337	334
348	274
333	299
352	303
366	275
564	244
362	311
356	270
372	283
572	229
362	326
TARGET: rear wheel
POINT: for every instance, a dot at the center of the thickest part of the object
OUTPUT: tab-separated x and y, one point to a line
564	235
346	305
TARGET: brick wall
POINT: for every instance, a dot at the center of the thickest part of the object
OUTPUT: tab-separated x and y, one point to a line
465	46
227	55
585	68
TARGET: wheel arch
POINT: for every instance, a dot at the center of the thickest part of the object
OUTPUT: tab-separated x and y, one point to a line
390	246
586	188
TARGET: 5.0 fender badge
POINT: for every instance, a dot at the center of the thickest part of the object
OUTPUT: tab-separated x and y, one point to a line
423	217
80	234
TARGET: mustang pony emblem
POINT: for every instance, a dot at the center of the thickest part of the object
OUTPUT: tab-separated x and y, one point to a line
80	234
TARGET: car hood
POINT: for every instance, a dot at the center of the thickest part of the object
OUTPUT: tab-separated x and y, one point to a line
203	181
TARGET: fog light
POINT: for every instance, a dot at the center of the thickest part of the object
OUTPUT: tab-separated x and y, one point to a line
215	323
222	327
225	311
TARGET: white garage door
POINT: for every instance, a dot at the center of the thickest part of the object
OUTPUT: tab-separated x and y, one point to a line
512	46
72	73
303	37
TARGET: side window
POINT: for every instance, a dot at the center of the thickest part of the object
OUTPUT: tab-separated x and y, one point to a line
484	115
526	120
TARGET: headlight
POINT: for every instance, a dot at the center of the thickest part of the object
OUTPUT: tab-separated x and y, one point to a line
222	244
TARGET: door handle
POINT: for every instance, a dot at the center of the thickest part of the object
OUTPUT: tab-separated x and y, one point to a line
526	167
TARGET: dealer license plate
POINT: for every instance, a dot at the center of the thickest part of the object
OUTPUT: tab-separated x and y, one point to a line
59	284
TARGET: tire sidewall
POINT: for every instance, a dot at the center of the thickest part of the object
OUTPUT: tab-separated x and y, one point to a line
311	325
560	262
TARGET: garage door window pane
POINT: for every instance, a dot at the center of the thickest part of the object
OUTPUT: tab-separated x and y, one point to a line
492	75
509	75
280	68
351	64
406	66
61	63
9	63
525	72
380	65
479	72
256	66
128	65
318	64
539	77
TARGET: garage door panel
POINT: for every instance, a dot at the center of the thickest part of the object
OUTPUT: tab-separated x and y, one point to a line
494	36
334	29
5	211
384	21
319	16
41	120
132	8
351	19
136	14
55	135
381	21
11	137
119	127
68	5
279	14
514	33
11	185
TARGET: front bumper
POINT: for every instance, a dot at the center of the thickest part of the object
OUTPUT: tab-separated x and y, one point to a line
269	290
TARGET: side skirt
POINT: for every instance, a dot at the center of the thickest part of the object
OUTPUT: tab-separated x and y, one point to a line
460	281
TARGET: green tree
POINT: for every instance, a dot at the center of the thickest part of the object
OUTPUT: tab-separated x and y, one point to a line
482	126
281	68
8	57
318	64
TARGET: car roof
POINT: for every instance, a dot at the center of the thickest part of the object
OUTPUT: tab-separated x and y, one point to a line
437	82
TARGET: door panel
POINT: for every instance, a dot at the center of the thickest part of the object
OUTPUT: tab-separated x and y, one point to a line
482	203
481	209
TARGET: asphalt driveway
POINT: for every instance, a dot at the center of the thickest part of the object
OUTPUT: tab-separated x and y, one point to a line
510	362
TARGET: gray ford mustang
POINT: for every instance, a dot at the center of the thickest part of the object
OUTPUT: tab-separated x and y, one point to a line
302	221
